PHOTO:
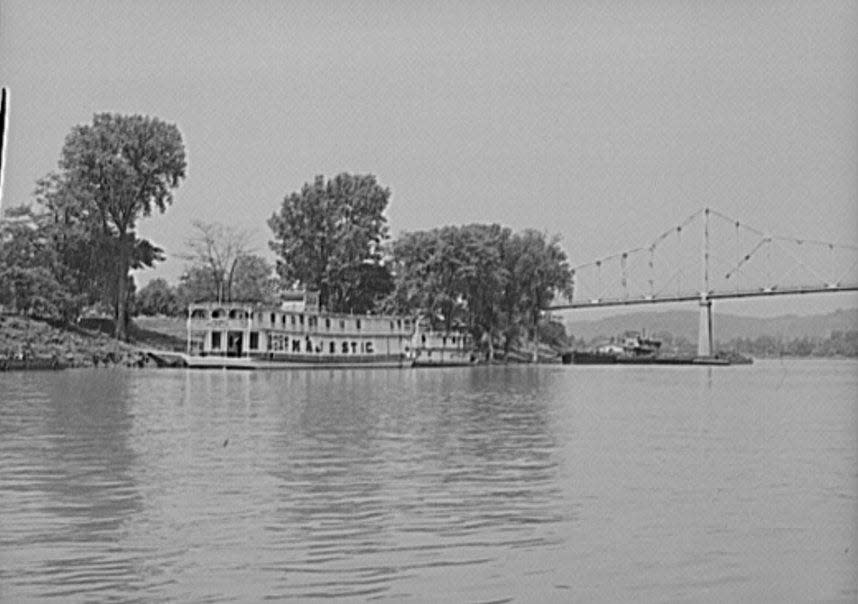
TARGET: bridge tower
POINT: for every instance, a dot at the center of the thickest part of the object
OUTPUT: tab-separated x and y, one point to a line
704	327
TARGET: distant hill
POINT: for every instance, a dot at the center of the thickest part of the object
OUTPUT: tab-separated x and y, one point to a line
683	323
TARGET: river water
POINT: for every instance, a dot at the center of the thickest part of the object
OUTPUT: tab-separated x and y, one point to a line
485	484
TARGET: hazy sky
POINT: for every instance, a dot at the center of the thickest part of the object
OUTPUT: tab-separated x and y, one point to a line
604	122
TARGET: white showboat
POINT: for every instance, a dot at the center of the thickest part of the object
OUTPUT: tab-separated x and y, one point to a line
296	334
441	348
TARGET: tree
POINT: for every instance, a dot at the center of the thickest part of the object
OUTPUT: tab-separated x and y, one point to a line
32	291
196	285
27	282
325	233
493	281
253	281
425	266
113	172
216	250
157	298
451	275
538	270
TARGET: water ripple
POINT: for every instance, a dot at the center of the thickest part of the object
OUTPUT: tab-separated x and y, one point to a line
485	485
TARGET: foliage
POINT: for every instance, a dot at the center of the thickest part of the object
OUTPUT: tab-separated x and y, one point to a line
254	280
484	277
32	291
838	343
196	285
157	298
326	233
27	282
553	333
112	172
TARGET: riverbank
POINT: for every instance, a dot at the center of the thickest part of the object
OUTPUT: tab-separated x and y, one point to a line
90	343
74	346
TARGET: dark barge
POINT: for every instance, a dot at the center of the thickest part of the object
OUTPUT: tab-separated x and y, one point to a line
636	349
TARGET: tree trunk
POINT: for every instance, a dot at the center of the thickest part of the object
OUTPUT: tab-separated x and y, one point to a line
122	289
536	336
229	279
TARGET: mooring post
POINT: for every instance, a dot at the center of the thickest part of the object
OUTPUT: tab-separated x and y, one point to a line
704	329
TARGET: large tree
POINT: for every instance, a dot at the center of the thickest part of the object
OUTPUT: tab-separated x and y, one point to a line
538	270
113	172
328	238
485	277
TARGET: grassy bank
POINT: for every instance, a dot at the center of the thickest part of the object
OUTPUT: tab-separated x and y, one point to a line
88	345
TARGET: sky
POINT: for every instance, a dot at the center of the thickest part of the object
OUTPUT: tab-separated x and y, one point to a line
603	122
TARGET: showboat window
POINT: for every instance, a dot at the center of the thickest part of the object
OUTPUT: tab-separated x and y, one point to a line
275	342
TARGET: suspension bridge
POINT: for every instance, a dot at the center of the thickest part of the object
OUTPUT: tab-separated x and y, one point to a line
711	256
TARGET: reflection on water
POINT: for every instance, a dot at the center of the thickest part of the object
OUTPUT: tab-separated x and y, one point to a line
472	484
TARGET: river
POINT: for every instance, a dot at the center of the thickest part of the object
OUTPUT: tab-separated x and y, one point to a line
485	484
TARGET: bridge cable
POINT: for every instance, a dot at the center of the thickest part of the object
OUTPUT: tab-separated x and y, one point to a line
738	253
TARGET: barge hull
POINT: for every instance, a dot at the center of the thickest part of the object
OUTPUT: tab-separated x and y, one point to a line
251	363
590	358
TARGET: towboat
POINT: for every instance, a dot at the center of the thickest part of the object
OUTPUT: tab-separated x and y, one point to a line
634	348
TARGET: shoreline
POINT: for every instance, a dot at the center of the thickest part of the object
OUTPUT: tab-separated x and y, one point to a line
32	344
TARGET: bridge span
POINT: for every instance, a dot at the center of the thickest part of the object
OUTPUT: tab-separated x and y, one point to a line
728	260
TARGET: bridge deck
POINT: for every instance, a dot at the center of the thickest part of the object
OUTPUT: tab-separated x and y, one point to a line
714	295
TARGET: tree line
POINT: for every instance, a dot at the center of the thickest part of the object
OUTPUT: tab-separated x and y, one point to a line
74	249
838	343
